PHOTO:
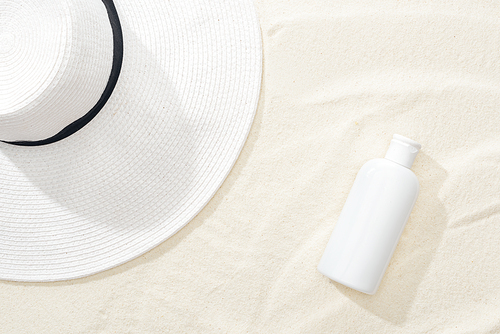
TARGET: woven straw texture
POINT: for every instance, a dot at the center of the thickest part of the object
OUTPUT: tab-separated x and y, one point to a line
151	159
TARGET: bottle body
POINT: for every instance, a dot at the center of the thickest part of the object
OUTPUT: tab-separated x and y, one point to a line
370	225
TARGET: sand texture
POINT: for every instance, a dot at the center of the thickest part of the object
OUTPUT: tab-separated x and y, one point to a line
340	78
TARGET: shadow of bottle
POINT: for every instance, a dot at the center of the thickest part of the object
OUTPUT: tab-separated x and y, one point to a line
416	248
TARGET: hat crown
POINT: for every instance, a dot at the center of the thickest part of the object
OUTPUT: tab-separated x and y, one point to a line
55	61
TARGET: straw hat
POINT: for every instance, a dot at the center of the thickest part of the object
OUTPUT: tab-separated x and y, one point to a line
118	123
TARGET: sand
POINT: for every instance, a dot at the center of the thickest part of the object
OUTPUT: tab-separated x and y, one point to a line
340	78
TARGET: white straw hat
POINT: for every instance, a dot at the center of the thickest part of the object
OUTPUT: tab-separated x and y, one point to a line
118	123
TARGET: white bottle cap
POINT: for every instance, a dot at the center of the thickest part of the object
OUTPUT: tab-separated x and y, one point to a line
403	150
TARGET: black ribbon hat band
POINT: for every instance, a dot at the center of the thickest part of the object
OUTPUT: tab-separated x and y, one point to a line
113	79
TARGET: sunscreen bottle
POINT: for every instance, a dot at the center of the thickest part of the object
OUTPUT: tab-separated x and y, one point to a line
373	218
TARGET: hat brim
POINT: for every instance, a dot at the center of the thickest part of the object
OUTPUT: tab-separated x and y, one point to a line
151	159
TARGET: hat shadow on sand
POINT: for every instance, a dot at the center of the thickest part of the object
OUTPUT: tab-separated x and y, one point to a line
114	185
414	253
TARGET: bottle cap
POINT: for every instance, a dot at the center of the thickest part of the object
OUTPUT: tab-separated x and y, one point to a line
403	150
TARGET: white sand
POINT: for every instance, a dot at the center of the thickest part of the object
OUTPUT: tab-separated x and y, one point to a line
341	77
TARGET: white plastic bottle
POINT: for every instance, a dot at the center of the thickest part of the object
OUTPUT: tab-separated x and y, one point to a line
373	218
